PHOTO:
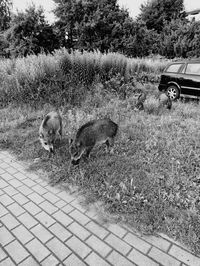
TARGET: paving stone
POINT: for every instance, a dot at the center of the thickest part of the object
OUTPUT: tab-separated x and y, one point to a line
39	189
77	204
10	190
78	216
21	199
9	221
22	234
16	251
98	245
32	208
59	231
173	241
27	220
184	256
25	190
118	260
20	176
50	261
118	244
4	165
15	183
2	171
6	155
66	196
63	218
3	210
6	200
60	204
158	242
6	176
3	183
137	242
78	247
45	219
17	165
97	229
79	230
51	197
16	209
28	182
163	258
33	176
117	230
73	260
35	197
140	259
48	207
29	262
3	255
6	236
58	248
38	250
41	233
68	208
11	170
7	262
94	259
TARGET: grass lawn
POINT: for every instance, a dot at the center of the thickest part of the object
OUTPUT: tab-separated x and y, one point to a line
152	181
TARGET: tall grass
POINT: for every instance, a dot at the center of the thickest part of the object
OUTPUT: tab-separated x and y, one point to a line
50	78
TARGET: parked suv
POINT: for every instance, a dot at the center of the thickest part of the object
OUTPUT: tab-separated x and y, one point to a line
181	79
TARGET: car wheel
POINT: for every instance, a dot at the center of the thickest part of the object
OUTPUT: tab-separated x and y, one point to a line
173	92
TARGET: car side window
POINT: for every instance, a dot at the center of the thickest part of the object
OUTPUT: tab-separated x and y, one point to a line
193	69
174	68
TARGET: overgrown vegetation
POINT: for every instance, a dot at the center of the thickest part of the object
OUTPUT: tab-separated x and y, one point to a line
67	78
152	179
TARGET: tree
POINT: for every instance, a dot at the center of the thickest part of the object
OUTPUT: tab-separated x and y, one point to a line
155	12
5	14
69	13
92	24
141	41
193	38
30	33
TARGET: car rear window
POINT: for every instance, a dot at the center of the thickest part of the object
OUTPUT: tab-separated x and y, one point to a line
193	69
174	68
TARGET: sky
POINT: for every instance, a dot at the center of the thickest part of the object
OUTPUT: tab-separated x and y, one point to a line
133	6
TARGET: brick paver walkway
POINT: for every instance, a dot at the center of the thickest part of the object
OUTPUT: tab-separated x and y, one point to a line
43	225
